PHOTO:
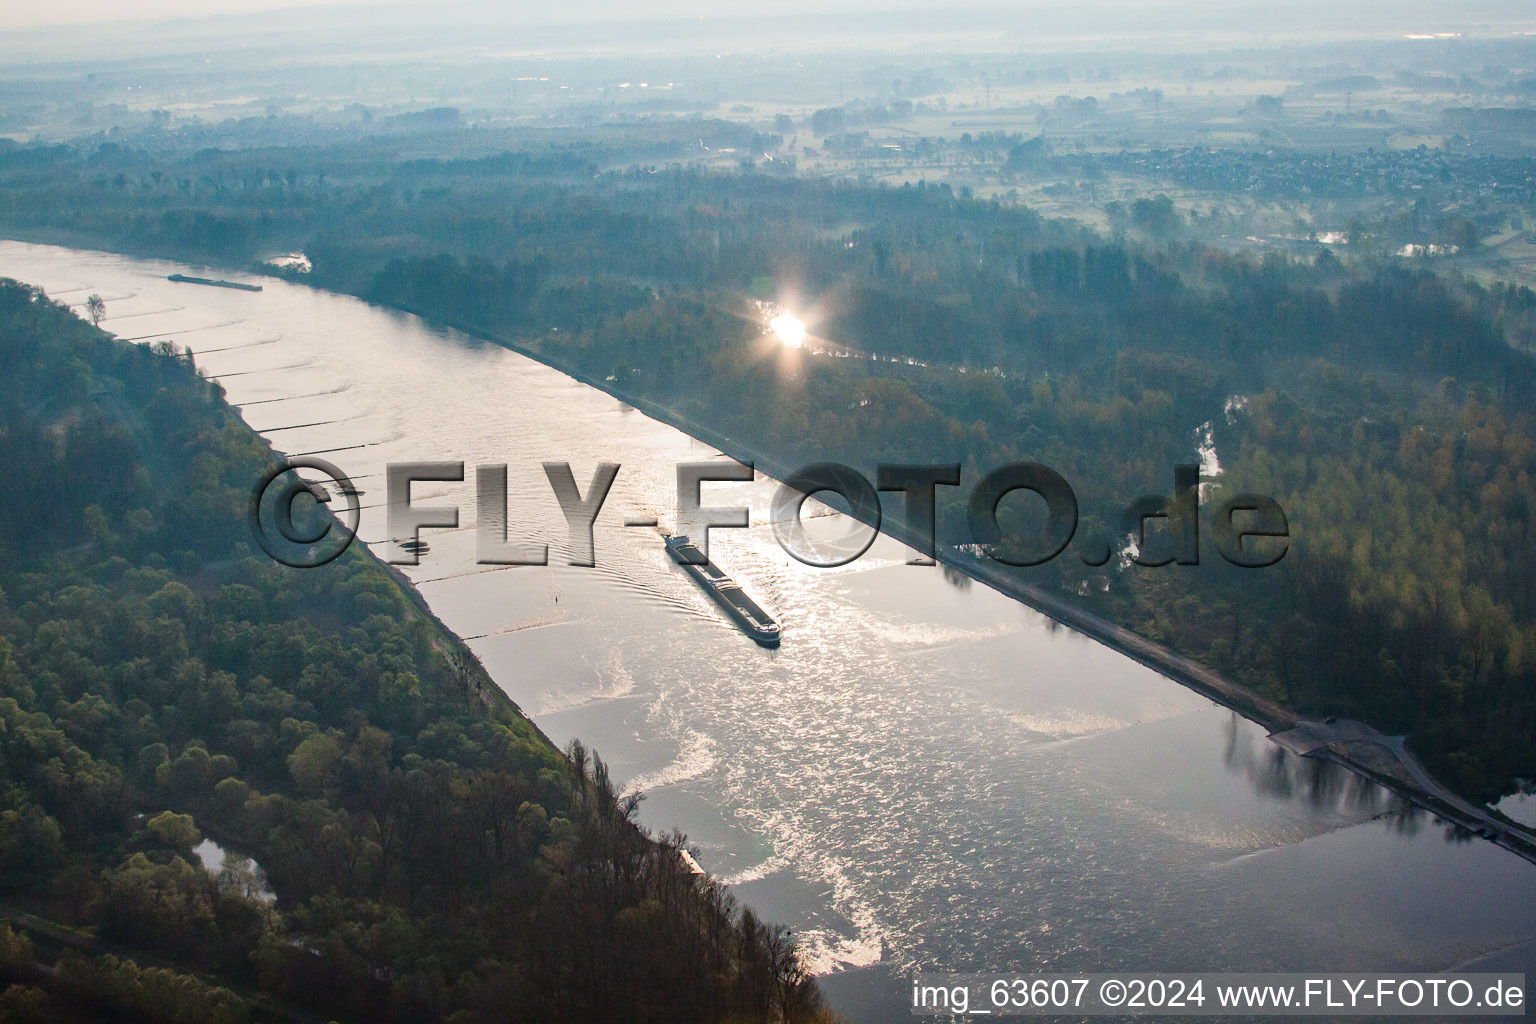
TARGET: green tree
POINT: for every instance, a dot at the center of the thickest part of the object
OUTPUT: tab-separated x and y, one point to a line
178	831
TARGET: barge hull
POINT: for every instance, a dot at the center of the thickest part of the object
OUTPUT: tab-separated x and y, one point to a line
184	279
743	611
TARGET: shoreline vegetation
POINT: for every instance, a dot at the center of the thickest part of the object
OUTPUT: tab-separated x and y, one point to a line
433	856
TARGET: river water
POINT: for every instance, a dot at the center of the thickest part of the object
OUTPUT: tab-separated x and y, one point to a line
925	775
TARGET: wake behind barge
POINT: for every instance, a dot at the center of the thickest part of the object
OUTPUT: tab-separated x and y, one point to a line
744	611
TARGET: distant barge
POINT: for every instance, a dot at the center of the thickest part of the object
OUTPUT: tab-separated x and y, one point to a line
744	611
184	279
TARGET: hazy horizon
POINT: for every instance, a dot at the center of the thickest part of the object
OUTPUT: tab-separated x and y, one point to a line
1267	18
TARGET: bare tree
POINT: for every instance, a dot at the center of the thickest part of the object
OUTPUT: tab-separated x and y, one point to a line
95	308
462	662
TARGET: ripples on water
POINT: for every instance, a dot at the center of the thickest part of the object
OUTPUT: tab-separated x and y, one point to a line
924	775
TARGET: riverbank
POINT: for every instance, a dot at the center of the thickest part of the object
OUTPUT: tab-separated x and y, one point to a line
476	680
1383	759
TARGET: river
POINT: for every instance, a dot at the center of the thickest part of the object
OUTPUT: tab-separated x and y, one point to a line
925	775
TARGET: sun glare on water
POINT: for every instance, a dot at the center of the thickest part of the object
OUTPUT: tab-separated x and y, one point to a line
789	330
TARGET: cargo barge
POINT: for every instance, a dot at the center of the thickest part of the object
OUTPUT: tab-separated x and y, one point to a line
184	279
744	611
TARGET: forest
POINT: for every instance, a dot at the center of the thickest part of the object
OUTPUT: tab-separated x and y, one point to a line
399	842
1388	409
